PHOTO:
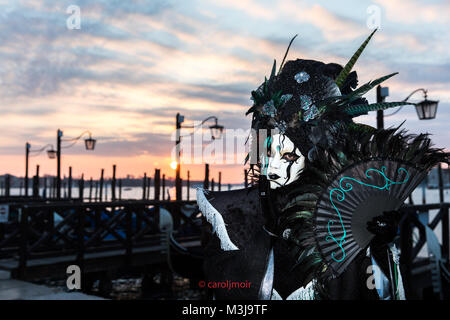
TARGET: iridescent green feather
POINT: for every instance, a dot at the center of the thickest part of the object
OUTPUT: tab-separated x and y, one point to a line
360	109
348	67
274	68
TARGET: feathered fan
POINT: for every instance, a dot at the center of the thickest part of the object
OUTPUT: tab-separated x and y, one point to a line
358	194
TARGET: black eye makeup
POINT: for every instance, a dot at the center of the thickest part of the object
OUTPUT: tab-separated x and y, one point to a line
290	156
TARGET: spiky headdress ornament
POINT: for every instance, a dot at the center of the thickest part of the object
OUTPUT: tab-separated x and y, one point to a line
312	102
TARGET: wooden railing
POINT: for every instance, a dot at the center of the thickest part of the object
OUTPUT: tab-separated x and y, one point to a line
410	248
411	220
83	228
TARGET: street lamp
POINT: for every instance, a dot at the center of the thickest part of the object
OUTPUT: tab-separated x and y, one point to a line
216	130
51	153
216	133
89	145
425	109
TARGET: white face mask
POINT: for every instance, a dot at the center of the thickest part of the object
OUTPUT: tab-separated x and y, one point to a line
285	162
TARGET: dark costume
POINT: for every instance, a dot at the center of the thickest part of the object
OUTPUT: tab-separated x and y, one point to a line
273	237
243	216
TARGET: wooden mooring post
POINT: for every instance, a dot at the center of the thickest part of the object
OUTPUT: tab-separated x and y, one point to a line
106	191
144	185
44	190
113	184
157	187
120	189
54	187
164	187
101	185
206	180
64	186
69	189
445	218
220	181
149	183
157	184
188	185
7	185
91	185
246	178
35	183
81	188
23	245
96	191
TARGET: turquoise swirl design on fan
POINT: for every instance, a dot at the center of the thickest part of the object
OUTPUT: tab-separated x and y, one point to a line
341	197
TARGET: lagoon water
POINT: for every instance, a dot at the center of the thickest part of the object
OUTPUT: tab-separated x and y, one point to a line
129	193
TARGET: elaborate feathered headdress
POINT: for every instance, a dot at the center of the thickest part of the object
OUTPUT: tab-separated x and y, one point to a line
311	102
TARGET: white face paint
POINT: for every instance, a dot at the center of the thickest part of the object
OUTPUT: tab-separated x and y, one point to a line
285	162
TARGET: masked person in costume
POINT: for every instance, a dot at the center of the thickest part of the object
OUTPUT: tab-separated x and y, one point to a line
324	210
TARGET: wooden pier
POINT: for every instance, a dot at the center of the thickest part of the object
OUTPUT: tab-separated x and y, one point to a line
42	239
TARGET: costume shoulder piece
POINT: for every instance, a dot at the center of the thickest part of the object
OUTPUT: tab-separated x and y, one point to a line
233	215
235	245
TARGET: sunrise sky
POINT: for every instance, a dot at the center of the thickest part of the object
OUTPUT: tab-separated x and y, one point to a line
133	65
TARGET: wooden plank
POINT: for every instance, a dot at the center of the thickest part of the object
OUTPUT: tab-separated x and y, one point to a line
11	264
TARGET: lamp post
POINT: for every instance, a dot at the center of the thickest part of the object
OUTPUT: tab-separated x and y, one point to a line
216	133
382	93
426	109
179	121
59	134
89	145
27	155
